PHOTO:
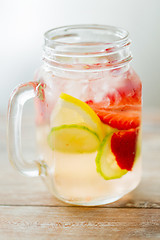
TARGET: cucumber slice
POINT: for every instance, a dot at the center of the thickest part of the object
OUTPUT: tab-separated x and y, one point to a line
106	162
73	138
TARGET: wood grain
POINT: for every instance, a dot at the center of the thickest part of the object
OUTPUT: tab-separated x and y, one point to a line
78	223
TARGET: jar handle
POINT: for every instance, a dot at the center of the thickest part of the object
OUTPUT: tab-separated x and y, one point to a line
18	98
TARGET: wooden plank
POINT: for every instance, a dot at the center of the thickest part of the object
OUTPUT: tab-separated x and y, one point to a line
78	223
20	190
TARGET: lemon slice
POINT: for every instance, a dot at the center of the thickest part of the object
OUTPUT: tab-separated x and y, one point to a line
106	163
70	110
73	138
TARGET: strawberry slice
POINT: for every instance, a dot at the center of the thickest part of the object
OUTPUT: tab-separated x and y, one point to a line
123	146
121	107
122	117
128	90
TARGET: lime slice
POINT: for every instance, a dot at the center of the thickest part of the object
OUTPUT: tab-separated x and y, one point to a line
106	162
70	110
73	138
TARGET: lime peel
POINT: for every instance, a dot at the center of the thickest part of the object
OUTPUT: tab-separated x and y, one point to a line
106	162
73	138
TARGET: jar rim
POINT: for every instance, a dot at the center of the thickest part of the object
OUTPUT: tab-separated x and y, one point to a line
87	46
52	34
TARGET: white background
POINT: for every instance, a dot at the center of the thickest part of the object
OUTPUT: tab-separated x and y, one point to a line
23	22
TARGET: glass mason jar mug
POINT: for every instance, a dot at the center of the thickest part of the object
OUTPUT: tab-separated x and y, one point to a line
88	116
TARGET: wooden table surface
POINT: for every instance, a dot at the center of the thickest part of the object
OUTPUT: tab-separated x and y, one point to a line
28	211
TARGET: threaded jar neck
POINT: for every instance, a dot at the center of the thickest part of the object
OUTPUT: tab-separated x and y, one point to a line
87	47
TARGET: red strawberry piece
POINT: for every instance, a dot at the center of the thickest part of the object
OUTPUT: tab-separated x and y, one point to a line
121	107
122	117
123	146
130	89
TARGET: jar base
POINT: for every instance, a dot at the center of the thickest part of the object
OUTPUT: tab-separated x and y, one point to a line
97	202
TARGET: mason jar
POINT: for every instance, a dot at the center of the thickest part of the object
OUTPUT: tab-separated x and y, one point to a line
88	116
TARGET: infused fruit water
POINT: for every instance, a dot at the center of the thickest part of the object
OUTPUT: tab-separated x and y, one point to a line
88	116
89	134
